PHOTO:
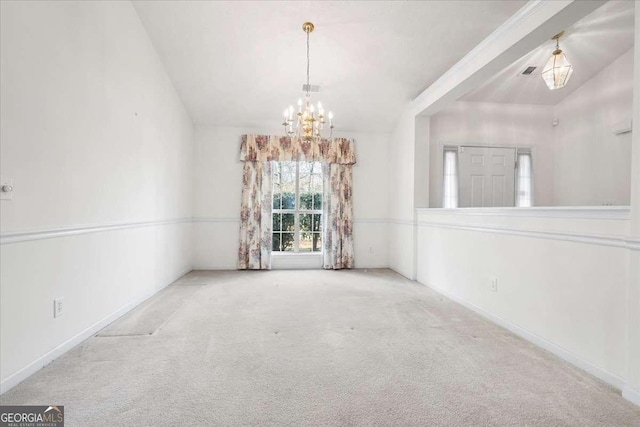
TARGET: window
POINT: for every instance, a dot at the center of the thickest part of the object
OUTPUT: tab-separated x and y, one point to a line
524	179
450	181
297	207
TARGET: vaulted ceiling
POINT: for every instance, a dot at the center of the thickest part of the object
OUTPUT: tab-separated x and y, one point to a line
591	44
240	63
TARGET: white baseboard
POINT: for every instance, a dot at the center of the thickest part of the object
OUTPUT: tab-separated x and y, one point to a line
24	373
235	267
371	266
631	395
214	267
406	274
606	376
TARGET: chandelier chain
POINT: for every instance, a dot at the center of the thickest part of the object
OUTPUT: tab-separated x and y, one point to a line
308	59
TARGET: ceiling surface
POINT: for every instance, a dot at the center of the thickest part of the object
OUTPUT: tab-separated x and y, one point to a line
241	63
590	45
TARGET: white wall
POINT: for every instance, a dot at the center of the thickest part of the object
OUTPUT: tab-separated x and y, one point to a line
218	189
100	150
561	282
401	196
592	165
505	125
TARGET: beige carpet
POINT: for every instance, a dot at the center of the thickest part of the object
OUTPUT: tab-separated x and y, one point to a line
316	348
150	316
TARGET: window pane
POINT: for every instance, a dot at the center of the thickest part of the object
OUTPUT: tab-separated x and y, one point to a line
305	242
276	199
288	184
288	200
288	222
305	222
450	182
317	181
525	193
317	201
276	222
306	201
317	190
287	242
317	222
316	243
305	177
288	174
275	245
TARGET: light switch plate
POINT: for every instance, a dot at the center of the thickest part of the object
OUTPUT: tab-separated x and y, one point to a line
6	181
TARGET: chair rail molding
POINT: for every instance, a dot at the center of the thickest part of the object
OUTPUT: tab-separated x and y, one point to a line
625	242
561	212
215	219
57	232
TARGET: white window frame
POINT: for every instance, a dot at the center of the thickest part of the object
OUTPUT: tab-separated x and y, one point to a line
296	211
524	152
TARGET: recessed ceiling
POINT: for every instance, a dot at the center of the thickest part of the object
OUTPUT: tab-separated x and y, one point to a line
240	63
590	45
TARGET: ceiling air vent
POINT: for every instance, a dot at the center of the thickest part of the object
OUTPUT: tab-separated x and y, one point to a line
528	71
312	88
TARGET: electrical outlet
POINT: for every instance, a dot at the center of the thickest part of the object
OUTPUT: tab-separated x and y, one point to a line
370	249
494	284
58	305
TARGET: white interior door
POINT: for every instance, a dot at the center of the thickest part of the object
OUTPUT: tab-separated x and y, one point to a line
486	177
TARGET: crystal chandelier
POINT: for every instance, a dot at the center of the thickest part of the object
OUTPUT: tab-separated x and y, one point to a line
557	72
309	122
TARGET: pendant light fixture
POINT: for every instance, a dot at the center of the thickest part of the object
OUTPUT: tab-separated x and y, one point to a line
558	70
309	122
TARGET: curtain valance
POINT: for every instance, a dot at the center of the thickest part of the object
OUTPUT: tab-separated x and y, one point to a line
264	148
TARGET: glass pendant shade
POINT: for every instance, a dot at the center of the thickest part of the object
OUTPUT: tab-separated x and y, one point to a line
557	71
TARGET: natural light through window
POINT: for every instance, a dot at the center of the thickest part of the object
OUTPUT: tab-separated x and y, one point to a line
450	189
524	181
297	207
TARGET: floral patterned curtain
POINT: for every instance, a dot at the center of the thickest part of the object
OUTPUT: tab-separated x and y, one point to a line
264	148
254	252
337	211
337	157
